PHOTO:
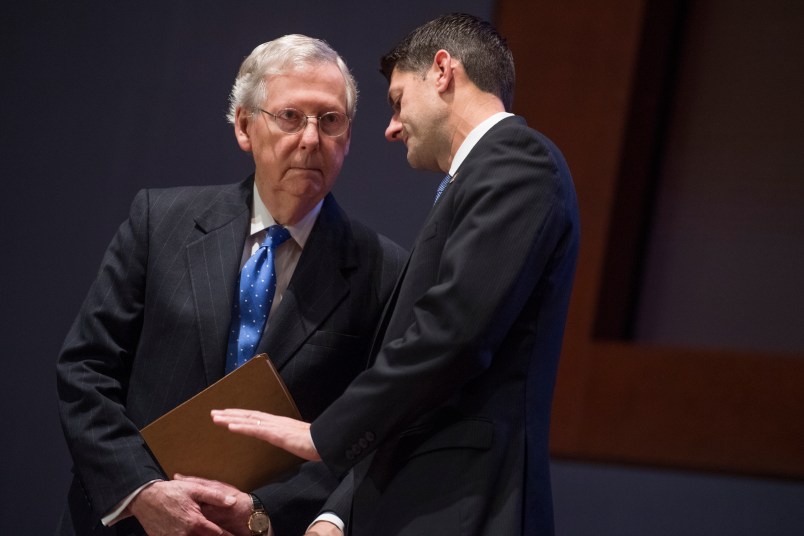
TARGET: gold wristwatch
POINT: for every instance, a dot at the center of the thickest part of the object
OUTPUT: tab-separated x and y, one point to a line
259	524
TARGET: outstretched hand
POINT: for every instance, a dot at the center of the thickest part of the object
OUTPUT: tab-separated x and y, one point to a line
286	433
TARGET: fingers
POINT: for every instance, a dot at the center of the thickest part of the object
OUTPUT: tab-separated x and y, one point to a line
242	415
286	433
256	424
247	420
194	479
211	495
172	507
215	498
222	486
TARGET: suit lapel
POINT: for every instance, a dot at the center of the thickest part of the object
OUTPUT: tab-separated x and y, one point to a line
318	285
214	264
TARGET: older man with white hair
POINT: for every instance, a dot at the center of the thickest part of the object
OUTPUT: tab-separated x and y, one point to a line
165	319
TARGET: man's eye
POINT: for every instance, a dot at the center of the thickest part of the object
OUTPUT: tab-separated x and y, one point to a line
289	114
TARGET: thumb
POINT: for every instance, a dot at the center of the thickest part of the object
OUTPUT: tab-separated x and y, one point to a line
213	497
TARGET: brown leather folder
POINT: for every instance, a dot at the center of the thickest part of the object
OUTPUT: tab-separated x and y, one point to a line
186	441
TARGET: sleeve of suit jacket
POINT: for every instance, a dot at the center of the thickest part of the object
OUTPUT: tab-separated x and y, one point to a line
481	253
109	456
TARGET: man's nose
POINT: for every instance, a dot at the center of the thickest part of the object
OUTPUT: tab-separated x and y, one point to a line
394	130
310	134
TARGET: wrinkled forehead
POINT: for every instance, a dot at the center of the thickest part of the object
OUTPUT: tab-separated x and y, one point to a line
322	84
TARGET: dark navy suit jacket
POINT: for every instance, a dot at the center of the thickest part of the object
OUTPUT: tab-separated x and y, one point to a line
448	430
152	333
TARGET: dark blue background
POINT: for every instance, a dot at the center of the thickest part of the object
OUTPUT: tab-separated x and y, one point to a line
100	99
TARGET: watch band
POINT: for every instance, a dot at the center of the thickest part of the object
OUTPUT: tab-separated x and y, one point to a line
258	523
256	503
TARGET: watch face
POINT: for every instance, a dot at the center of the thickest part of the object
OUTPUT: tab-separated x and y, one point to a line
259	523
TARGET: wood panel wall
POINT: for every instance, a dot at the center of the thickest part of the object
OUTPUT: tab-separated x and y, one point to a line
596	78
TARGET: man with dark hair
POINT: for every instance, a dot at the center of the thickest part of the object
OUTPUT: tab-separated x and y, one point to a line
483	53
163	319
447	432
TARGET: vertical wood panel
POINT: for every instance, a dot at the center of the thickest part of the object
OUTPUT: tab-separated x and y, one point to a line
575	61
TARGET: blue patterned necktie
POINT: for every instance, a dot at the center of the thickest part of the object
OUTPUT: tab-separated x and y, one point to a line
256	294
442	187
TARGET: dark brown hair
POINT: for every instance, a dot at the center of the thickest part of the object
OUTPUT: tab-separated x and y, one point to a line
482	51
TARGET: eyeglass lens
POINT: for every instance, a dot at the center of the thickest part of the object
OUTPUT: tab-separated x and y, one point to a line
291	121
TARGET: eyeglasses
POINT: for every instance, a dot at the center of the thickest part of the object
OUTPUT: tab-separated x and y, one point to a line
291	121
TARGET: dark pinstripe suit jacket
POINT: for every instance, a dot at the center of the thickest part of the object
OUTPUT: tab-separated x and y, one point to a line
152	332
449	427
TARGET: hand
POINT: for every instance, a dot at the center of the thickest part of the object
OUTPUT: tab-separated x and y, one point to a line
233	518
283	432
323	528
172	508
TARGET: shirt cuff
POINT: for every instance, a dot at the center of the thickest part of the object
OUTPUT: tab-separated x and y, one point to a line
116	515
330	518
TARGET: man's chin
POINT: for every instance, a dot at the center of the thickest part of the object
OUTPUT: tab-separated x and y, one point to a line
413	161
418	164
312	190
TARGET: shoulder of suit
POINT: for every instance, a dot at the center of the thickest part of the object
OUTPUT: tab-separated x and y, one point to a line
176	197
509	124
515	127
212	190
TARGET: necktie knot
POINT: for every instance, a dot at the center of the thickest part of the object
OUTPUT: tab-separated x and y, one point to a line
275	236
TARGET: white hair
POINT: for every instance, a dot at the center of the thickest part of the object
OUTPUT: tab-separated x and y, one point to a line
277	57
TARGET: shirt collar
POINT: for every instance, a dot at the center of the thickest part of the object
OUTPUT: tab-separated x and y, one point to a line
261	219
474	137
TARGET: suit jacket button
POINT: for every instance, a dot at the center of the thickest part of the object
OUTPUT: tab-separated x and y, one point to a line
369	436
349	455
362	442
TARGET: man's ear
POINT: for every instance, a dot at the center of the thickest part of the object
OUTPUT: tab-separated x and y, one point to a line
241	123
443	66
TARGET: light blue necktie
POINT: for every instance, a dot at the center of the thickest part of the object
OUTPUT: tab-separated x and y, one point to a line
256	294
442	187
